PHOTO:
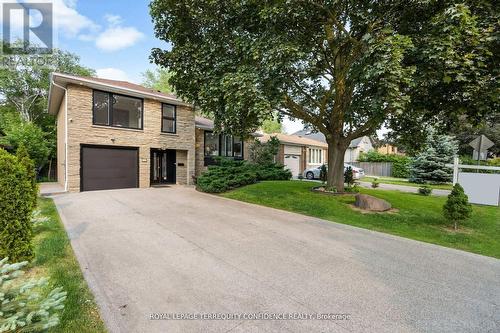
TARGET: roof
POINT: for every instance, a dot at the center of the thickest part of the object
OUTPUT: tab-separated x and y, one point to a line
318	136
204	123
208	125
294	140
59	81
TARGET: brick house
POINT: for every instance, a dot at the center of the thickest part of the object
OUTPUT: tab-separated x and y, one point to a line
115	134
298	154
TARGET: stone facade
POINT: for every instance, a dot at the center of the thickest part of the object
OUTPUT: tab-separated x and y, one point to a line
82	131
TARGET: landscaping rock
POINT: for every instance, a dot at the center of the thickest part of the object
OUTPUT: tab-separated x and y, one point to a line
367	202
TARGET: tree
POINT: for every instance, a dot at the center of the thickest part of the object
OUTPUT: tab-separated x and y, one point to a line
456	78
271	126
158	79
24	82
264	153
344	67
25	305
457	207
31	137
24	89
429	165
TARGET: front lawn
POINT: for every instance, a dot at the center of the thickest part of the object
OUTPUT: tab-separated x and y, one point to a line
54	258
403	181
419	217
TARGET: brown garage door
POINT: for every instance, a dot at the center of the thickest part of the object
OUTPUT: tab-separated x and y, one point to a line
105	168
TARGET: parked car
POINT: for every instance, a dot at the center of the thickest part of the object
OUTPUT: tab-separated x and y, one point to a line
313	173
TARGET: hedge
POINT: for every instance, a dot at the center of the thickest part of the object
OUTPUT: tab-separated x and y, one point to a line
229	174
400	164
16	206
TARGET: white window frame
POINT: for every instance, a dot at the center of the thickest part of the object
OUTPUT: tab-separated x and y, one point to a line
315	156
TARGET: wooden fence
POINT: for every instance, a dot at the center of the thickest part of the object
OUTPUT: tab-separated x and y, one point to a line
381	169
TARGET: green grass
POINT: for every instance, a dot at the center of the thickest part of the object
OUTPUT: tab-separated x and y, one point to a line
55	259
418	217
403	181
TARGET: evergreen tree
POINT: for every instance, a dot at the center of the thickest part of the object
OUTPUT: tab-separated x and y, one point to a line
457	207
429	165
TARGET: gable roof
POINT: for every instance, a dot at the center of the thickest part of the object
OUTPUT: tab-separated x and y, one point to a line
318	136
294	140
59	81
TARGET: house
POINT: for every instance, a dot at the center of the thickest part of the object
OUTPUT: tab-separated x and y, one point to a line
298	153
388	149
356	147
116	134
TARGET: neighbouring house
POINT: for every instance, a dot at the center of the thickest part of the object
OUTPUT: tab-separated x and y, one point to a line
388	149
298	153
116	134
356	147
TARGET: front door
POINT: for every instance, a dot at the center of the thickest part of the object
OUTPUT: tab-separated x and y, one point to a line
163	166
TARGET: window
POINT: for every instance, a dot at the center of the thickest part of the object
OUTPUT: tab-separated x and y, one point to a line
230	146
315	156
101	108
238	148
211	144
117	110
168	118
227	145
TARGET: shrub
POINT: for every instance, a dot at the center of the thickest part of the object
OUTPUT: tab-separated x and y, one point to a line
375	183
24	304
229	174
457	208
425	190
400	164
348	176
16	206
323	174
27	162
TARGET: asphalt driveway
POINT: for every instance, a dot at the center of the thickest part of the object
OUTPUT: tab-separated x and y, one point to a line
156	253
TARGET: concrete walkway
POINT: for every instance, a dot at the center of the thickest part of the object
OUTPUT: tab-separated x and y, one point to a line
158	252
51	188
403	188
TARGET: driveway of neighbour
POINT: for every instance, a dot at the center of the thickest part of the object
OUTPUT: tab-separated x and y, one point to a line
163	251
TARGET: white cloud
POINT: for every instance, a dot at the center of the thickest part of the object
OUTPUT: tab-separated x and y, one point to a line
68	21
117	37
113	20
112	74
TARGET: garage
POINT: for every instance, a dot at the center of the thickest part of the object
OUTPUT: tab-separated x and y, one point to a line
106	168
292	162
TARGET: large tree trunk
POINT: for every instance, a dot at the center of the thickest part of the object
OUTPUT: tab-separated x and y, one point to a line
336	151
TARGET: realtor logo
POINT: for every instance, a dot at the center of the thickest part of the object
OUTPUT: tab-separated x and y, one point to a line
27	27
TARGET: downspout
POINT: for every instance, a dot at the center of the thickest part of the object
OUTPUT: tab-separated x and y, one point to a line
65	135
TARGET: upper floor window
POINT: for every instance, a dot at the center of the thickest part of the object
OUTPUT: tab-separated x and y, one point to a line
117	110
168	118
315	156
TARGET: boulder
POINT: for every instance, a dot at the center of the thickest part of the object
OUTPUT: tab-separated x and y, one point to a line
367	202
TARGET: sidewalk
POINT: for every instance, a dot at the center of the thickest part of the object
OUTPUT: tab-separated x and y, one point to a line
403	188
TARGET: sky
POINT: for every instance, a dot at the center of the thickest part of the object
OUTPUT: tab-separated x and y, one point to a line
113	37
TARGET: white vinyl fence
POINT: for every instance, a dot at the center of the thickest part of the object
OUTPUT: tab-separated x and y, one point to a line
481	188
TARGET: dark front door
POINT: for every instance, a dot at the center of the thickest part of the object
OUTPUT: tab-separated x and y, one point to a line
105	168
163	166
